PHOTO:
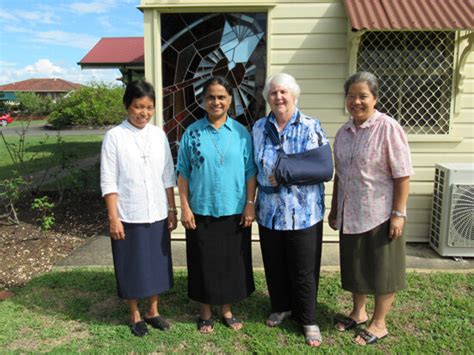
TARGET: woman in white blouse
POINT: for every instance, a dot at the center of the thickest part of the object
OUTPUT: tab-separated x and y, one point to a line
137	180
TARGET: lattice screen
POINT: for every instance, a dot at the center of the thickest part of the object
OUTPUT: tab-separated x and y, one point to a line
415	70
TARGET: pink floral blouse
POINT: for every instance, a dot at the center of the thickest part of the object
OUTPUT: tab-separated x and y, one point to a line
367	160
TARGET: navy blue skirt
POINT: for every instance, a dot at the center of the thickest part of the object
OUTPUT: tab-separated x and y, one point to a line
142	261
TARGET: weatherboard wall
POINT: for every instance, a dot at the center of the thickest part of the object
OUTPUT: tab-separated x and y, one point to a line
310	40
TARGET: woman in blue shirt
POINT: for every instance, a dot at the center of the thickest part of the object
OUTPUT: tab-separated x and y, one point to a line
217	185
290	214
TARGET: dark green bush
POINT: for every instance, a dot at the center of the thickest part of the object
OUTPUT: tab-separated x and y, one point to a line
32	104
96	105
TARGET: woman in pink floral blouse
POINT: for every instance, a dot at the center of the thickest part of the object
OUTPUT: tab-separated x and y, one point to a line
373	168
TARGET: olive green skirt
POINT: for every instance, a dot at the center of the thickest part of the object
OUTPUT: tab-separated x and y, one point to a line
371	262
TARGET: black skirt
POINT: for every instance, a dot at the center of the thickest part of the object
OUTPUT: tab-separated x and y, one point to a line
371	262
219	260
142	260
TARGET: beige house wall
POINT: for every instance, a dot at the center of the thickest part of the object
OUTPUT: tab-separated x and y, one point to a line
311	41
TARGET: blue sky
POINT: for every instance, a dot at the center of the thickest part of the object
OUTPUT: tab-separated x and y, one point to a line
46	38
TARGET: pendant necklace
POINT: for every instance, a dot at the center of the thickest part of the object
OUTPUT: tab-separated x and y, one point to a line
221	154
144	147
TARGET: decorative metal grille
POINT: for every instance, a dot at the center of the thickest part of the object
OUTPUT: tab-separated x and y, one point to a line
415	70
461	228
197	46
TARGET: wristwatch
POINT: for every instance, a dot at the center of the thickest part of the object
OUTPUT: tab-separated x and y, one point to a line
399	214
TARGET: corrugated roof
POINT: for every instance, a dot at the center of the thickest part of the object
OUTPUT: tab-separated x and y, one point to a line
116	50
410	14
41	85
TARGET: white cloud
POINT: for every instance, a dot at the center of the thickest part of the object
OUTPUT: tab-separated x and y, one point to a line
44	17
105	23
58	38
32	17
97	7
87	76
4	64
69	39
16	29
43	67
5	15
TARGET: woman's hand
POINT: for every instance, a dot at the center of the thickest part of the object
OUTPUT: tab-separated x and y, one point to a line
272	180
172	220
116	229
332	219
396	227
187	218
248	216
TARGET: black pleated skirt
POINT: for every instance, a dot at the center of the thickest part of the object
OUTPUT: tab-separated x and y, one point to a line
219	260
142	261
371	262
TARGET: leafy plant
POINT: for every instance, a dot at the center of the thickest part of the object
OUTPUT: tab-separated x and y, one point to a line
85	180
16	151
10	193
63	163
33	104
44	206
96	105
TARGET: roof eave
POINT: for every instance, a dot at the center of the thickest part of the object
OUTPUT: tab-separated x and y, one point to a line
139	65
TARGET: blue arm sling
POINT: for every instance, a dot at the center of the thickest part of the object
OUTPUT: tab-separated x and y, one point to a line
307	168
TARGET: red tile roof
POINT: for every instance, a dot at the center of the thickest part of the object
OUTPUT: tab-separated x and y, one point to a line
410	14
41	85
117	50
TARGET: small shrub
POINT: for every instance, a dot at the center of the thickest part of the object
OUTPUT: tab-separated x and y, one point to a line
86	180
44	206
10	194
95	105
32	104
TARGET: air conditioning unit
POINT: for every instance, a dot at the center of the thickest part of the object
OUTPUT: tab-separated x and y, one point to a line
452	216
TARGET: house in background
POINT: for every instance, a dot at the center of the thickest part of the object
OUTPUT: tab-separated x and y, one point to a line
422	51
52	88
123	53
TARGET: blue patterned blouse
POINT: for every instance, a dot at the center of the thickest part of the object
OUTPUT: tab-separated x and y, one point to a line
217	164
292	207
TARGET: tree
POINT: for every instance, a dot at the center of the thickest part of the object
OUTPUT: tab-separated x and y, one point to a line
32	104
96	105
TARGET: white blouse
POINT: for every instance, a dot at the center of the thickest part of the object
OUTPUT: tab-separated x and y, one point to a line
138	166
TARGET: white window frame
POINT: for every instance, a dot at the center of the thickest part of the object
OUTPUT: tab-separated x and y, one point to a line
152	39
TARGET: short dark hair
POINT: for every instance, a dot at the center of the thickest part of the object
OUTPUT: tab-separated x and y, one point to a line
219	80
366	77
137	89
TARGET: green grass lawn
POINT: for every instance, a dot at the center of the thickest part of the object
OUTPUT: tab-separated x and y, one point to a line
41	154
78	311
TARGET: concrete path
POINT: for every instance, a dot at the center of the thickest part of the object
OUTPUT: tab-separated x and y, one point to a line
420	257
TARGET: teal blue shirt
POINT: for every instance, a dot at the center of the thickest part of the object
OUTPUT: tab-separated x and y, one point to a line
217	164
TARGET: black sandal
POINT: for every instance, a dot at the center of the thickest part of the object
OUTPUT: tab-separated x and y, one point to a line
368	337
158	322
201	323
229	322
139	328
347	323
